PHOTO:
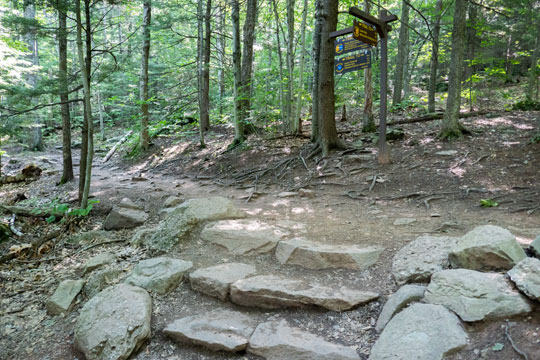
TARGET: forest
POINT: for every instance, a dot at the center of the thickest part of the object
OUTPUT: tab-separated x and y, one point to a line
212	141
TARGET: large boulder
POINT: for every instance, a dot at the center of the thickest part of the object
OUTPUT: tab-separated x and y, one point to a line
315	255
216	280
475	296
271	291
159	275
62	299
210	209
123	217
420	332
534	247
217	330
397	301
100	279
98	261
243	237
114	323
526	276
419	259
487	247
276	340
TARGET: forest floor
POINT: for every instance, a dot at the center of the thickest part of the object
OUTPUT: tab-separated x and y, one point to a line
354	201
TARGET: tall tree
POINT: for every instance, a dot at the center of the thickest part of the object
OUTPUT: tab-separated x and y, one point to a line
532	84
239	135
451	127
402	54
434	61
297	123
143	88
328	137
289	98
67	168
368	120
205	119
315	122
282	97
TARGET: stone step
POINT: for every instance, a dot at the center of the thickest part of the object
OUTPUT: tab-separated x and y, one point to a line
316	255
244	237
217	330
271	292
216	280
276	340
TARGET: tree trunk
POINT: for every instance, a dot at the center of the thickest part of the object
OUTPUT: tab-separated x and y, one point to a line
328	138
368	120
402	53
315	123
451	127
282	98
87	95
532	83
434	62
289	98
67	164
36	140
143	89
239	135
205	118
472	44
200	65
297	127
221	58
101	116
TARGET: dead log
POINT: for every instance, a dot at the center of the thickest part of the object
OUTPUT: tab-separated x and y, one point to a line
25	211
115	147
29	173
435	116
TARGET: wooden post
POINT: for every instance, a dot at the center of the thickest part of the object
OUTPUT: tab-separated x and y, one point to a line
384	149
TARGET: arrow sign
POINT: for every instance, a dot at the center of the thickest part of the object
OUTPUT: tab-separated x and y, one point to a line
364	33
347	45
353	62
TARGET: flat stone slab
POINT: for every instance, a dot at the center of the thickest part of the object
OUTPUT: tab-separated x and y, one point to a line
420	332
124	218
526	276
271	292
159	275
487	247
315	255
397	301
404	221
114	323
419	259
217	330
475	295
243	237
216	280
209	209
62	299
276	340
98	261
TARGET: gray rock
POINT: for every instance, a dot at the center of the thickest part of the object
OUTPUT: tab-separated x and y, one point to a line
217	330
210	209
535	246
397	302
487	247
159	275
101	279
276	340
124	218
243	237
404	221
216	280
313	255
172	201
114	323
360	159
419	259
271	292
128	204
446	153
310	194
287	194
420	332
475	296
526	276
293	227
98	261
62	299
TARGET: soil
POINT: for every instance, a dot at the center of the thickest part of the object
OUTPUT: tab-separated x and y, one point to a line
346	206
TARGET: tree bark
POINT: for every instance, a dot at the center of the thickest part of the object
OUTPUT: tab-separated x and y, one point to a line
315	123
328	138
205	118
239	135
289	98
221	56
451	127
67	162
532	83
297	127
368	120
143	88
200	65
282	98
434	62
247	59
402	53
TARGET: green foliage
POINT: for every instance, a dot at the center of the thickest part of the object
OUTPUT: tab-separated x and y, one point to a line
488	203
497	347
64	211
527	105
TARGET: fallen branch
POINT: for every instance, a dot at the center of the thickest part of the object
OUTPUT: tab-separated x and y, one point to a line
12	227
516	349
435	116
25	211
115	147
426	201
